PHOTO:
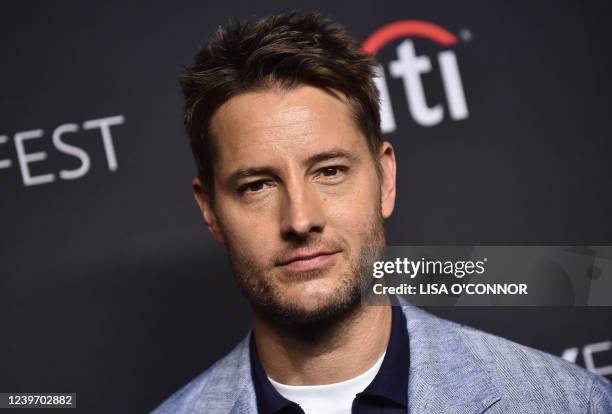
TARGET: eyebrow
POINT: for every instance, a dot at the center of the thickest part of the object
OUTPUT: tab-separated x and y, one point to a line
330	155
334	154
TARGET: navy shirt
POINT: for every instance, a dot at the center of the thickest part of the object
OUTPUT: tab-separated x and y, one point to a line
386	394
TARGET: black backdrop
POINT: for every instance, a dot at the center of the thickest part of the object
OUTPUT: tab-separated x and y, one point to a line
110	286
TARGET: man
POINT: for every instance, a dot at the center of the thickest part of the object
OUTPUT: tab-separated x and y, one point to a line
294	179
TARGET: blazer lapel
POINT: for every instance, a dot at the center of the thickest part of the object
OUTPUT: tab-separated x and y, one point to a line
230	387
246	402
446	376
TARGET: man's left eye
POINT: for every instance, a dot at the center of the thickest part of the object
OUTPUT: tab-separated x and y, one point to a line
332	172
329	171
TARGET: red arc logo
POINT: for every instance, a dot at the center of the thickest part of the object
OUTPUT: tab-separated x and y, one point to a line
408	28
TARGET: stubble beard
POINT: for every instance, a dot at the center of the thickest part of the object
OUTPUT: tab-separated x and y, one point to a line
268	296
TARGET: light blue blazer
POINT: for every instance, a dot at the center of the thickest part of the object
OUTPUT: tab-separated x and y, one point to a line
453	369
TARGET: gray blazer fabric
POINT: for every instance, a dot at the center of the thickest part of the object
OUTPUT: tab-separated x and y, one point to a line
453	369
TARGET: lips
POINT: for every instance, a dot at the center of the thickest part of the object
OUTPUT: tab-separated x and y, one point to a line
309	261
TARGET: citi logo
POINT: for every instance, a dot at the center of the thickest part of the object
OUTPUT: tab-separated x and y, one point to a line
409	67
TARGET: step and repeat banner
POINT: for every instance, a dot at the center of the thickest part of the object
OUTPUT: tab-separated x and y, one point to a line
110	285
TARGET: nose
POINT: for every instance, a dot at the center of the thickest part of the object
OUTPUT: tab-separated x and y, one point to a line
301	212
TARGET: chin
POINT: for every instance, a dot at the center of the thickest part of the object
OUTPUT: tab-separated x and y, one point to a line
313	293
313	302
316	303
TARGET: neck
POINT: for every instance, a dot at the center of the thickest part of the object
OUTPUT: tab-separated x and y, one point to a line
325	352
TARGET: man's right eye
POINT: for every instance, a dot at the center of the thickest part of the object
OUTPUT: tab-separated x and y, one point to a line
252	187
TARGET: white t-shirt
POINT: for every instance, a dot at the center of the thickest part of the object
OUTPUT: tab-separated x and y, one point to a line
330	398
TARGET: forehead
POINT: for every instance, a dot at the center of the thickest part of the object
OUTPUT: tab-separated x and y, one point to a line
275	124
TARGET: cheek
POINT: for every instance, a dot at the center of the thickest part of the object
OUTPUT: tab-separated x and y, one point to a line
358	203
353	218
247	232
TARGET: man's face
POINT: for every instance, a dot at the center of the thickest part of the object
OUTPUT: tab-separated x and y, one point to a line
296	197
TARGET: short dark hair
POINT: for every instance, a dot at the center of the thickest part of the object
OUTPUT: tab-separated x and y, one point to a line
287	50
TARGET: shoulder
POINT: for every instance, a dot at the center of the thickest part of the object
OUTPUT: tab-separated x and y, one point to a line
524	375
218	387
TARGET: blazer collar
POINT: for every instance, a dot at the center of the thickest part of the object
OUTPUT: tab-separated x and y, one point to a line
446	375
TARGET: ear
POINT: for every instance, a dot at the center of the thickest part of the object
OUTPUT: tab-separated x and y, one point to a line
387	183
202	197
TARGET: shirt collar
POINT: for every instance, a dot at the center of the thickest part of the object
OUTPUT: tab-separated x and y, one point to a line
268	399
390	383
